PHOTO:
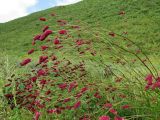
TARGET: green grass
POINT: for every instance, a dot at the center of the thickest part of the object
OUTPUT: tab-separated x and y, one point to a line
94	16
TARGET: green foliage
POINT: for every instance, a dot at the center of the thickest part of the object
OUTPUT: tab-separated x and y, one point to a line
101	16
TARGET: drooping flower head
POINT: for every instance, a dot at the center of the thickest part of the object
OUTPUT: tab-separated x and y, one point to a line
45	28
42	19
104	117
30	51
45	34
149	79
56	41
63	32
37	115
25	62
77	105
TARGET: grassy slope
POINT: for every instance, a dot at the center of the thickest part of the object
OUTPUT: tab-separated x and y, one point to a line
143	22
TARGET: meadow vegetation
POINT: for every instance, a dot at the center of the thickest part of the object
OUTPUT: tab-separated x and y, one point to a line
94	60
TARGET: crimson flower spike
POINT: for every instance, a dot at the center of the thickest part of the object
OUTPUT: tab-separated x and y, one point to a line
25	62
37	115
30	51
37	37
77	105
45	34
44	47
45	28
42	19
63	32
104	117
56	41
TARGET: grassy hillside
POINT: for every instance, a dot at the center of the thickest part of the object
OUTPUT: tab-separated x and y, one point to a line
103	66
142	22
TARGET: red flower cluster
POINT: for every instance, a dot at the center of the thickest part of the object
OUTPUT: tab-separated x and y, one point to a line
45	28
42	19
56	41
43	59
56	85
25	62
151	83
104	118
45	34
30	51
44	47
63	32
